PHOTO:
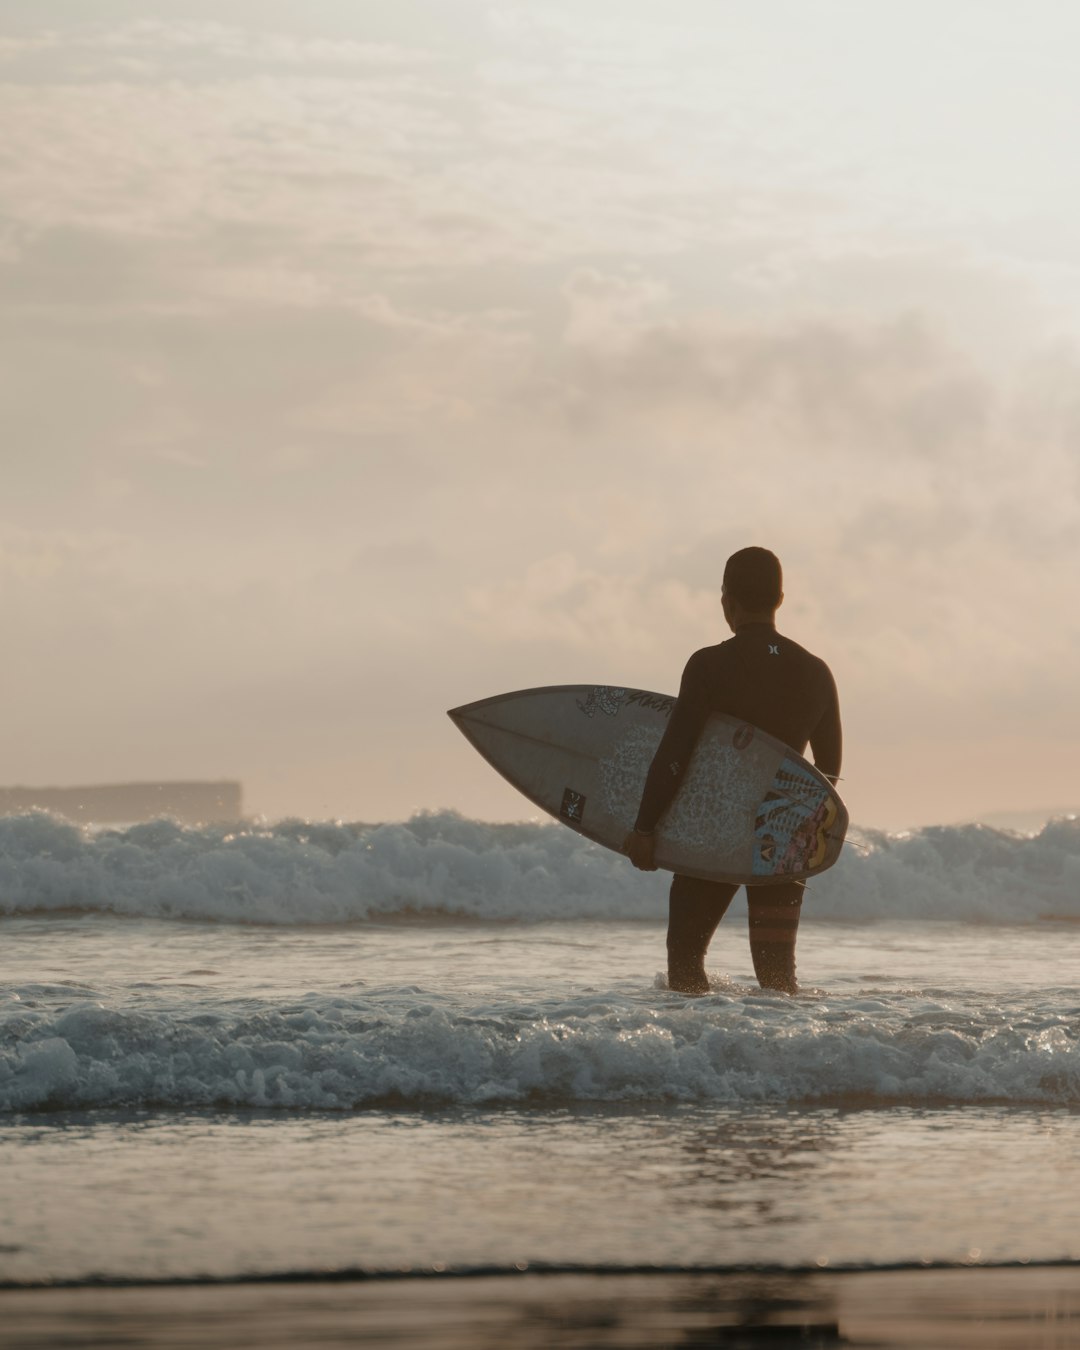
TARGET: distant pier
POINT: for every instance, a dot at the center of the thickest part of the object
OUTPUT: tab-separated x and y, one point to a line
128	803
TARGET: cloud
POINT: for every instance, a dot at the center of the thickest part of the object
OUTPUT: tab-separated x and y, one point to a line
610	313
824	398
582	611
97	51
415	160
232	43
354	367
928	516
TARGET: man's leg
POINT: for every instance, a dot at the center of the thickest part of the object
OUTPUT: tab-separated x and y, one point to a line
694	909
774	926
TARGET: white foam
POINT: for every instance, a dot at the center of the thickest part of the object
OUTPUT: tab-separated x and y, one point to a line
296	872
334	1054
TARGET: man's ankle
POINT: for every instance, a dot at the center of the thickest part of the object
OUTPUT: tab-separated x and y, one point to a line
683	983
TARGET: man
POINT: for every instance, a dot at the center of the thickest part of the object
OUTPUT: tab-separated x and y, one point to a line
769	681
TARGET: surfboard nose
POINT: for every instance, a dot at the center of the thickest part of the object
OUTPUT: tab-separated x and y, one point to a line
485	709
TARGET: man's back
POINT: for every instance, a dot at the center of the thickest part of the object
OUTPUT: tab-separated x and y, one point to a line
762	677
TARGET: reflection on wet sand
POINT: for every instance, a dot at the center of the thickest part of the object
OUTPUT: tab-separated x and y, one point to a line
992	1309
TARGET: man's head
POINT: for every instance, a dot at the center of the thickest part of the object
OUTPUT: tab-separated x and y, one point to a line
753	586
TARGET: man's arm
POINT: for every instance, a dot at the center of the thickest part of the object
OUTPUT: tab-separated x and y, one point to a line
669	763
827	738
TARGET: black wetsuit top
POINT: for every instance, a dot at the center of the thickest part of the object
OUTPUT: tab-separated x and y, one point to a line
759	677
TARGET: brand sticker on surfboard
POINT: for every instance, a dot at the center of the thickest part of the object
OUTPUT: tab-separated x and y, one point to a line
573	806
793	822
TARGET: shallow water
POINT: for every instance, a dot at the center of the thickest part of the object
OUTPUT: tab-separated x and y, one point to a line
183	1096
223	1195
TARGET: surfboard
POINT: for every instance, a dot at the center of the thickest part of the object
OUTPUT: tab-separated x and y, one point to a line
749	809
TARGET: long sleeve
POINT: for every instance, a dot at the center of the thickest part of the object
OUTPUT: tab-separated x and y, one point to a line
673	753
827	739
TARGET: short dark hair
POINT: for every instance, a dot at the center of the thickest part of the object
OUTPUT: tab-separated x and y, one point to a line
753	578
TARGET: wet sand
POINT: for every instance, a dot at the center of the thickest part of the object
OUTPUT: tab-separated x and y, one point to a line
995	1309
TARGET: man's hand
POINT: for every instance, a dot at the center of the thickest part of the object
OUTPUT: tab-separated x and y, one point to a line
641	850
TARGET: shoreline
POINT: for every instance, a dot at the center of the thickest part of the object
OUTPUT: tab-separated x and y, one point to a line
1010	1307
446	1272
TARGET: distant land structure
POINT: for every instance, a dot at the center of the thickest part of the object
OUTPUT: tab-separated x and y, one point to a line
129	803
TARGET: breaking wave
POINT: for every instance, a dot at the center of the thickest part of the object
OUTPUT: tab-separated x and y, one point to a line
333	1053
442	864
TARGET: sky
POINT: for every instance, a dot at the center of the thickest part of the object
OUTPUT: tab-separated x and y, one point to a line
359	360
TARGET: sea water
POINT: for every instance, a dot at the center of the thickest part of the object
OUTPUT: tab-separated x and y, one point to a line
448	1045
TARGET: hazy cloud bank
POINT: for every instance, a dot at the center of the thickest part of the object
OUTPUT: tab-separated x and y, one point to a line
353	369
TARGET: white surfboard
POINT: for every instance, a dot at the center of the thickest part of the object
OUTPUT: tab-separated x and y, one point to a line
749	809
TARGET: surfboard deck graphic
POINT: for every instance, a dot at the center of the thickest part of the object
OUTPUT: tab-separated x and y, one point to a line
749	810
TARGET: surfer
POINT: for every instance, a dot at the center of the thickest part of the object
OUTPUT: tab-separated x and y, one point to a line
767	680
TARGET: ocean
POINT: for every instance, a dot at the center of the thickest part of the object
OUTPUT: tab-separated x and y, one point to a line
443	1045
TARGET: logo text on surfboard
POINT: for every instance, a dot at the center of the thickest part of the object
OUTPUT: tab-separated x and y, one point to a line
608	700
657	702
